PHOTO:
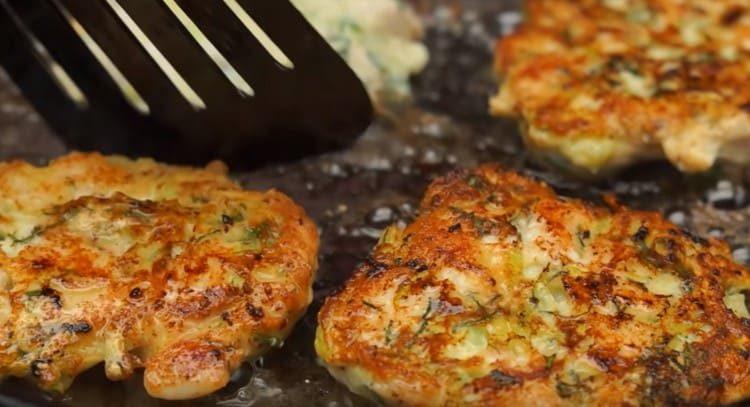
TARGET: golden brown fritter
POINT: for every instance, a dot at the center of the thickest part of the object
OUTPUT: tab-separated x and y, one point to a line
600	84
141	265
502	293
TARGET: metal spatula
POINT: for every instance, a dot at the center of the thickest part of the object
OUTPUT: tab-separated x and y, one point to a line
246	81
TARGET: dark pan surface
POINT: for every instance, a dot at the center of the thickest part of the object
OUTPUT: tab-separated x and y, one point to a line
355	193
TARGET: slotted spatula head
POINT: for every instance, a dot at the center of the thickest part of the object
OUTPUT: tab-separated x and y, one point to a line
187	81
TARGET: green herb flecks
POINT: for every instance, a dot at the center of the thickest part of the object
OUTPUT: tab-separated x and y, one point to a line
566	390
477	182
204	236
481	225
231	218
35	232
550	361
38	230
476	321
257	237
423	323
390	335
485	314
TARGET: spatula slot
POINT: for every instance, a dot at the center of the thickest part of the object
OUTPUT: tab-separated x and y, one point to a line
166	67
172	78
59	75
141	71
244	51
210	49
252	26
128	91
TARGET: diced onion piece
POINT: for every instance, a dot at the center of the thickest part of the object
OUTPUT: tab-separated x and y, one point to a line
736	303
473	343
665	284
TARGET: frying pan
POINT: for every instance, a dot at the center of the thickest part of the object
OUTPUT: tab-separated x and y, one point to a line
354	194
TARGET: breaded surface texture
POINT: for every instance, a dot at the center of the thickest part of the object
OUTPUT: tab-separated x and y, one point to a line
142	265
503	293
601	84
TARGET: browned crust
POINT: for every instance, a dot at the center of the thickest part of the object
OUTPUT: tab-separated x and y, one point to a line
183	297
572	50
372	324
